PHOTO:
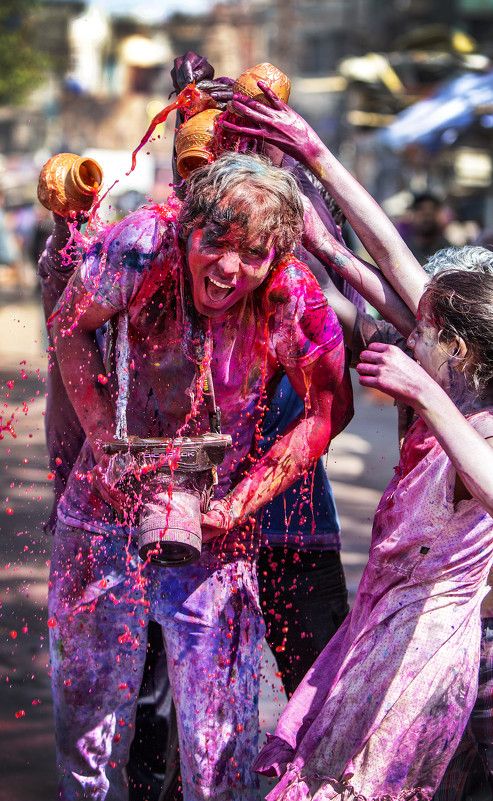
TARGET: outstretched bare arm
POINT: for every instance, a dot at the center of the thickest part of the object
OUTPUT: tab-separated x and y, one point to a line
364	277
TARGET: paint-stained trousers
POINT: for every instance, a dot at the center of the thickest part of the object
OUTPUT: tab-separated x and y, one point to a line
100	601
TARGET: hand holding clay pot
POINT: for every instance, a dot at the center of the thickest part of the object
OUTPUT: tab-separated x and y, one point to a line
276	123
192	68
274	79
69	184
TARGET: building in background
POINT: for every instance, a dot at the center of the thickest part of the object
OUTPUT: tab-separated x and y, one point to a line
353	72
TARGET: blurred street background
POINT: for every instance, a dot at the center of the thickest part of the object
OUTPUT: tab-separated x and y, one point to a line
400	90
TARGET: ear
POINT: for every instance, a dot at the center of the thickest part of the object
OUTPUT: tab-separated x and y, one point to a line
456	348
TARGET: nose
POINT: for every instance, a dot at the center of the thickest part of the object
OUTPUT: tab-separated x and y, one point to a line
229	264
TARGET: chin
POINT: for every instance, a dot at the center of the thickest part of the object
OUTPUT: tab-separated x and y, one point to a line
209	310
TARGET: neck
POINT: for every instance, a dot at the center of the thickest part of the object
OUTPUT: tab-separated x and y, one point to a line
465	396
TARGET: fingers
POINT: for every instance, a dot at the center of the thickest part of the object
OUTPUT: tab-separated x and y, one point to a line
219	90
210	532
246	106
369	381
364	368
372	361
378	347
274	100
241	130
226	80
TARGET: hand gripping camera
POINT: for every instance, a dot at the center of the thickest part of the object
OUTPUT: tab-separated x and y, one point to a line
169	483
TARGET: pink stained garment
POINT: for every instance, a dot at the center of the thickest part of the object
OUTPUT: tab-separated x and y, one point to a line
381	711
138	268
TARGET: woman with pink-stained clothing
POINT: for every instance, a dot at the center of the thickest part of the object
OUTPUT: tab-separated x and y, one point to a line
381	712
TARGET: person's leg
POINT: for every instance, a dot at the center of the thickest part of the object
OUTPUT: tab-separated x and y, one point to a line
98	644
481	721
451	788
304	601
478	736
155	723
213	631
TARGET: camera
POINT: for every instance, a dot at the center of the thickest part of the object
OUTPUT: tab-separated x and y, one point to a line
169	483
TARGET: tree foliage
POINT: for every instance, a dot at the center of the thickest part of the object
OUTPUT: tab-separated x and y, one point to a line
22	65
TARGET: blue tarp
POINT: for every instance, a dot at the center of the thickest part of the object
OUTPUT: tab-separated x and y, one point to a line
450	109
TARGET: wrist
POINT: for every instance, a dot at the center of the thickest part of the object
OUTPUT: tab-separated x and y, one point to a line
233	510
427	395
315	154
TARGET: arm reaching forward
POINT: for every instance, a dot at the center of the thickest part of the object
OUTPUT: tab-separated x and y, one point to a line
327	389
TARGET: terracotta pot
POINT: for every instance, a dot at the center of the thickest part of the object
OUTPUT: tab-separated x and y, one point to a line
246	84
69	183
194	142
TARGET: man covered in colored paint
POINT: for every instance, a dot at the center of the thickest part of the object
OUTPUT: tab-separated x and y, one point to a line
209	281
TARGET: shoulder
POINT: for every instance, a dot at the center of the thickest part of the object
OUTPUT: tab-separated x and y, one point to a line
130	252
137	240
302	324
291	280
134	242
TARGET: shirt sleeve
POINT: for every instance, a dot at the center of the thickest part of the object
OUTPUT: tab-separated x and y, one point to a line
116	265
304	325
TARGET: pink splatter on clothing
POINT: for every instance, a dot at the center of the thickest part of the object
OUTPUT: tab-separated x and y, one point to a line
100	596
286	322
381	711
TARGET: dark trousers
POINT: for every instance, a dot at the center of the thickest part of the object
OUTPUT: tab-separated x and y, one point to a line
304	600
470	772
153	768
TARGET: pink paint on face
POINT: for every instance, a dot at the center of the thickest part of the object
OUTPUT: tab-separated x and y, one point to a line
224	266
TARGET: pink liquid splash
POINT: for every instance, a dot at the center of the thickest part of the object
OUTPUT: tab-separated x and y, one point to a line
190	101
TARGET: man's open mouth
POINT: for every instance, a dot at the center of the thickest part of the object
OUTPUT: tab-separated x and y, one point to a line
216	291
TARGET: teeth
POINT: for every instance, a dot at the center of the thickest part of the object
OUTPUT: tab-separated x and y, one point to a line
217	283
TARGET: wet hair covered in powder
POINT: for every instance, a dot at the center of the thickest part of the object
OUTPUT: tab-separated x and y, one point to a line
247	191
461	303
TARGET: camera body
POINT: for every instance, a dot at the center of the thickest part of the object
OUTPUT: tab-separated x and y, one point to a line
169	483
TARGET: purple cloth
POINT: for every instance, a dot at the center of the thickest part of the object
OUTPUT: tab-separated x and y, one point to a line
102	598
383	708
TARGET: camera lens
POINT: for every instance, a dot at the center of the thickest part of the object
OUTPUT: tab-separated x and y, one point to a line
170	532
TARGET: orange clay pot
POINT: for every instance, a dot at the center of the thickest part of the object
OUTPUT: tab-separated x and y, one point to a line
194	142
69	183
246	84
